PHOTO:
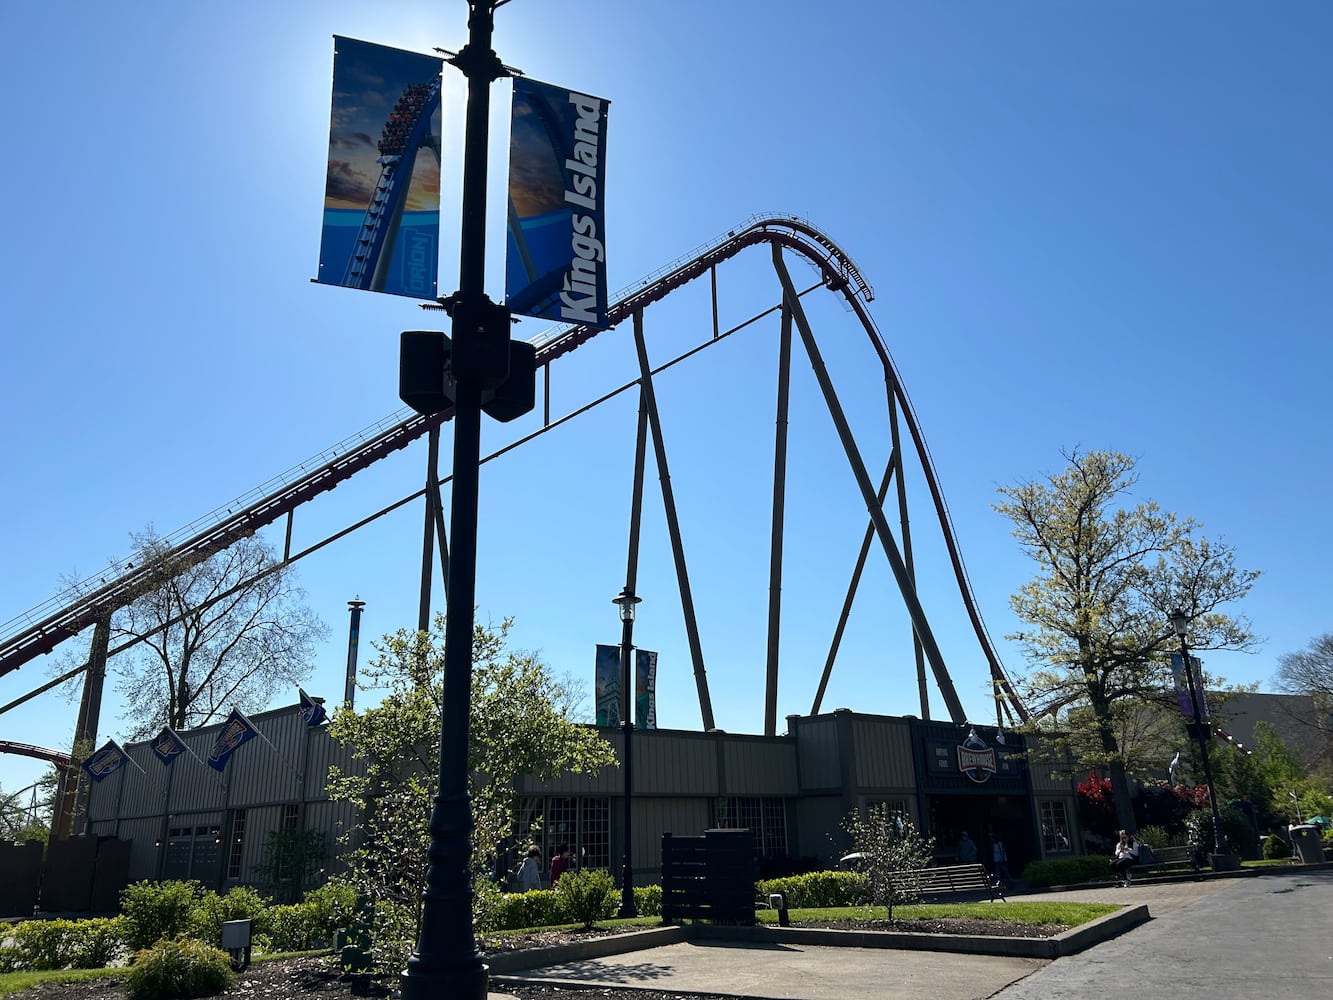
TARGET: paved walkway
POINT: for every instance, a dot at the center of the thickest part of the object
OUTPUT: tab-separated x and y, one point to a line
1219	938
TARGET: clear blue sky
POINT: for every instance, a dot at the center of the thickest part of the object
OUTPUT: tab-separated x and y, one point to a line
1104	226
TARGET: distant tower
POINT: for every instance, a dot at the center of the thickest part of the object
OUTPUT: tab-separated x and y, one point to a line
353	636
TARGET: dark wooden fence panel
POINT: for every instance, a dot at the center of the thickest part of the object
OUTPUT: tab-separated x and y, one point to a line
710	877
20	878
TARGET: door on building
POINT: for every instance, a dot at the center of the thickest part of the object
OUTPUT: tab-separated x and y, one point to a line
194	852
1008	816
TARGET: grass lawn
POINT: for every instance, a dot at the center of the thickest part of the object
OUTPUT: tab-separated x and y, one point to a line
1070	914
12	982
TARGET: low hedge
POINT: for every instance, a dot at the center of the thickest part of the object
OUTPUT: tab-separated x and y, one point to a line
39	945
818	889
1067	871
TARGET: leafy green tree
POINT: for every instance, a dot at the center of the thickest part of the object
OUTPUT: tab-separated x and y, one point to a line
26	813
1109	575
521	724
887	852
292	859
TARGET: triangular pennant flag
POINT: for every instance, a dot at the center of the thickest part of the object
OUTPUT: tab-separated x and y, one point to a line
312	711
235	731
167	745
106	761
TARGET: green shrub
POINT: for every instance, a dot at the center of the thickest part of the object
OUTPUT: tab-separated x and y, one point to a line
331	906
487	903
648	900
586	896
240	903
292	928
177	970
819	889
1276	847
393	934
156	910
1153	836
98	942
1067	871
535	908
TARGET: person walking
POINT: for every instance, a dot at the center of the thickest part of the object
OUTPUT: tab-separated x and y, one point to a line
967	849
1126	856
1000	858
530	873
559	863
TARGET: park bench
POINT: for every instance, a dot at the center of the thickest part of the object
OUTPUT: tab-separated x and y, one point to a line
1156	859
950	880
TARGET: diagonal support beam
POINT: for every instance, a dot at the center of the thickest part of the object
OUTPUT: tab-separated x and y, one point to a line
905	585
775	545
852	586
673	524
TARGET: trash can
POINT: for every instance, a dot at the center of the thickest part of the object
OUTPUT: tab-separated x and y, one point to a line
1308	842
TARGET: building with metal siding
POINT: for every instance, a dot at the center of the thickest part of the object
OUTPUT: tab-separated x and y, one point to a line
793	791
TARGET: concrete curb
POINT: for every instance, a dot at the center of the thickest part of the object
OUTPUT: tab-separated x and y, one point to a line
1067	943
614	944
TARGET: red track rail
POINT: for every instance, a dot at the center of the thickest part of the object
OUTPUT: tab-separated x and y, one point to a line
76	610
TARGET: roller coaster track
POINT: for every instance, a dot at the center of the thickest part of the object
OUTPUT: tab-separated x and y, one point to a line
42	629
398	147
60	760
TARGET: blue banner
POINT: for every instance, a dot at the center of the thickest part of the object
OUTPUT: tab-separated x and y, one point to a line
606	684
645	689
312	711
1183	698
167	746
237	730
105	762
382	196
555	265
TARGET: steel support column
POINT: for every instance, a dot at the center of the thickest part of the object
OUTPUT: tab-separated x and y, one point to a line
775	543
673	525
905	585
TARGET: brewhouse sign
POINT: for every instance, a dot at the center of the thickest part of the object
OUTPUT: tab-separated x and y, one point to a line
976	759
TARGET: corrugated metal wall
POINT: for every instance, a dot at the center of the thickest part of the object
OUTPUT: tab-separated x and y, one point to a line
882	754
822	769
817	748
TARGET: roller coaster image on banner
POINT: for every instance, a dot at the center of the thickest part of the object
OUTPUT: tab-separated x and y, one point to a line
382	199
607	687
555	261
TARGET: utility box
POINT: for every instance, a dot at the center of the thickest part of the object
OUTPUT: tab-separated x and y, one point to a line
236	941
1308	842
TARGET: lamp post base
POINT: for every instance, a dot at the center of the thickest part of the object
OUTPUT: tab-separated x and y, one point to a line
1224	862
468	982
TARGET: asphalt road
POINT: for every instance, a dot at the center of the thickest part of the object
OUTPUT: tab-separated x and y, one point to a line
1268	937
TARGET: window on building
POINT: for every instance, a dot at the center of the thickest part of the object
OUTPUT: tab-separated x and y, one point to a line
766	818
234	852
291	816
595	833
582	823
1054	828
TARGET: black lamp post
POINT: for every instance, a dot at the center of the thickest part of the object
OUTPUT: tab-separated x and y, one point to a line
625	601
446	962
1180	622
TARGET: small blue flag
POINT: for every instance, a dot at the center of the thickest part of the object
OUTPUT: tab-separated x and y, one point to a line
312	711
235	731
167	745
106	761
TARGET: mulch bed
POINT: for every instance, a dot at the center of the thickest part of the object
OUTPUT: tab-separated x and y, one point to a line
318	977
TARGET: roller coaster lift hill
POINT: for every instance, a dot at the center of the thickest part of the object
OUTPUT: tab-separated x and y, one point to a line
482	367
